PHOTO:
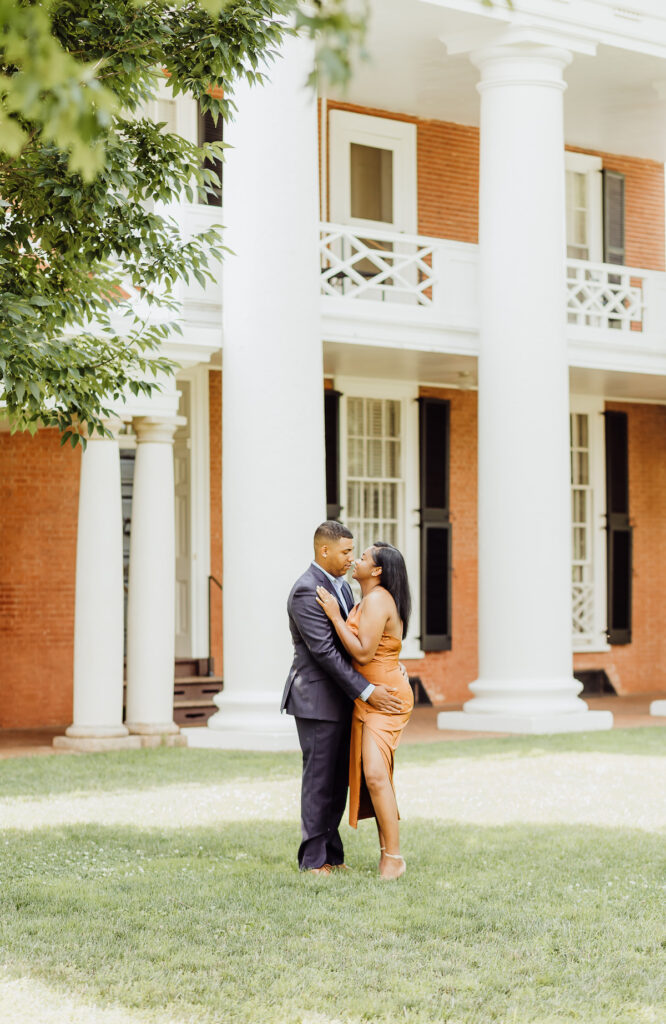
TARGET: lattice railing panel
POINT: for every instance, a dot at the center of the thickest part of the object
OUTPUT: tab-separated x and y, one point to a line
582	609
377	265
604	295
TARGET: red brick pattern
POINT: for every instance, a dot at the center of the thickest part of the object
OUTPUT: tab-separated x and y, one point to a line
215	470
448	180
39	493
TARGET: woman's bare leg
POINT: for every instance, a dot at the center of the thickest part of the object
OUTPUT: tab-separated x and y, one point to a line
383	801
382	844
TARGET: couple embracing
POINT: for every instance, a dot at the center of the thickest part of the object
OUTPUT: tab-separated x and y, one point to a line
349	713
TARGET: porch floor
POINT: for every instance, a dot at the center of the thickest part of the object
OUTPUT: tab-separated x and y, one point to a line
628	712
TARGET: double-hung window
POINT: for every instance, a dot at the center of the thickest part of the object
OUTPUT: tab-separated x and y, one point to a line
588	601
374	470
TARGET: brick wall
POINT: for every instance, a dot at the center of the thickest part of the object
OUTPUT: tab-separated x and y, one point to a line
447	157
215	469
39	490
640	667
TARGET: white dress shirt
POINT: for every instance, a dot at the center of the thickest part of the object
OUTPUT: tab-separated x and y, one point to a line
337	582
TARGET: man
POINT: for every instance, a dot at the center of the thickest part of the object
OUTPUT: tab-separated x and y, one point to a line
320	691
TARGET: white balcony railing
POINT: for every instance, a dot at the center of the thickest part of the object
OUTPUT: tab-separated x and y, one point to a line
379	265
437	279
605	295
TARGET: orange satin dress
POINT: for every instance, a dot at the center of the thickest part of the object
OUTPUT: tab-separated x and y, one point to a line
386	729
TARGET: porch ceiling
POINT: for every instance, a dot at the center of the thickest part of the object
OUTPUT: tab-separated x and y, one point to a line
615	101
399	364
632	387
460	371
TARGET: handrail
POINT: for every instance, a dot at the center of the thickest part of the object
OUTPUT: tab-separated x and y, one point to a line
211	579
382	235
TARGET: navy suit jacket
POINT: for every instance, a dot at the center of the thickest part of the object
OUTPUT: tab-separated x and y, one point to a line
321	682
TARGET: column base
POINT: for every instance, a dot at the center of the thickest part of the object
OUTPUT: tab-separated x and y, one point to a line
156	729
96	744
246	726
658	707
82	732
531	724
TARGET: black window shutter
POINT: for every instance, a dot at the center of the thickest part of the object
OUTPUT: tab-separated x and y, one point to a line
435	525
614	242
208	131
332	438
619	533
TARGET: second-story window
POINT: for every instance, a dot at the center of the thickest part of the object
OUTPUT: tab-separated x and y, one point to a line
208	131
583	196
372	168
371	172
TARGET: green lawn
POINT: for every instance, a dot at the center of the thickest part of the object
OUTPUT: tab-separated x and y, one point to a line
511	924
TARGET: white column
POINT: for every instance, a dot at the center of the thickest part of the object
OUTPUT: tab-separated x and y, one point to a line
658	707
272	395
98	614
525	679
151	598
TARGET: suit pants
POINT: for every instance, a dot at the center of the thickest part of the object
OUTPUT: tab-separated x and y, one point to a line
324	785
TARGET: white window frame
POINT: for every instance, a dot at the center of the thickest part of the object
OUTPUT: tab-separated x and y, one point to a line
590	166
346	128
593	406
408	520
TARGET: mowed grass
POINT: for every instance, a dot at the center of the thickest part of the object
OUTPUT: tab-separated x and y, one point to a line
141	769
510	924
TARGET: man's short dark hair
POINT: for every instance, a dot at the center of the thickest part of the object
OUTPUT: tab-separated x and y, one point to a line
331	530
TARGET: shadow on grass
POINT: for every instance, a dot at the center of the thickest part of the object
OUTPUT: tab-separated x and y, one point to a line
520	923
140	769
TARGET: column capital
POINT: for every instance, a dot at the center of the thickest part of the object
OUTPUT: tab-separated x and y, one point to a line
112	423
521	43
521	64
156	429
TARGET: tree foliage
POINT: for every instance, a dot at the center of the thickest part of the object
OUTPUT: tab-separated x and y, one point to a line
89	254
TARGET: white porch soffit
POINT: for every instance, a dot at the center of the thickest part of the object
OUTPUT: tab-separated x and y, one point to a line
615	101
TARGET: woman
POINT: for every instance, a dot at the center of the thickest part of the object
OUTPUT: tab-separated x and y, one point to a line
373	636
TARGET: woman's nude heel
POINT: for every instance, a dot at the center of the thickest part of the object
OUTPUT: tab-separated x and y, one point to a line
395	856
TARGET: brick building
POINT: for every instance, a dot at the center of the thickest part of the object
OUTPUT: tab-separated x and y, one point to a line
445	321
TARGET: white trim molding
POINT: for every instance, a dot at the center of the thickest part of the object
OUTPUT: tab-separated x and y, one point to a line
382	133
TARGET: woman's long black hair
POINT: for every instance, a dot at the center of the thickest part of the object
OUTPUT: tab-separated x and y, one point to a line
394	578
